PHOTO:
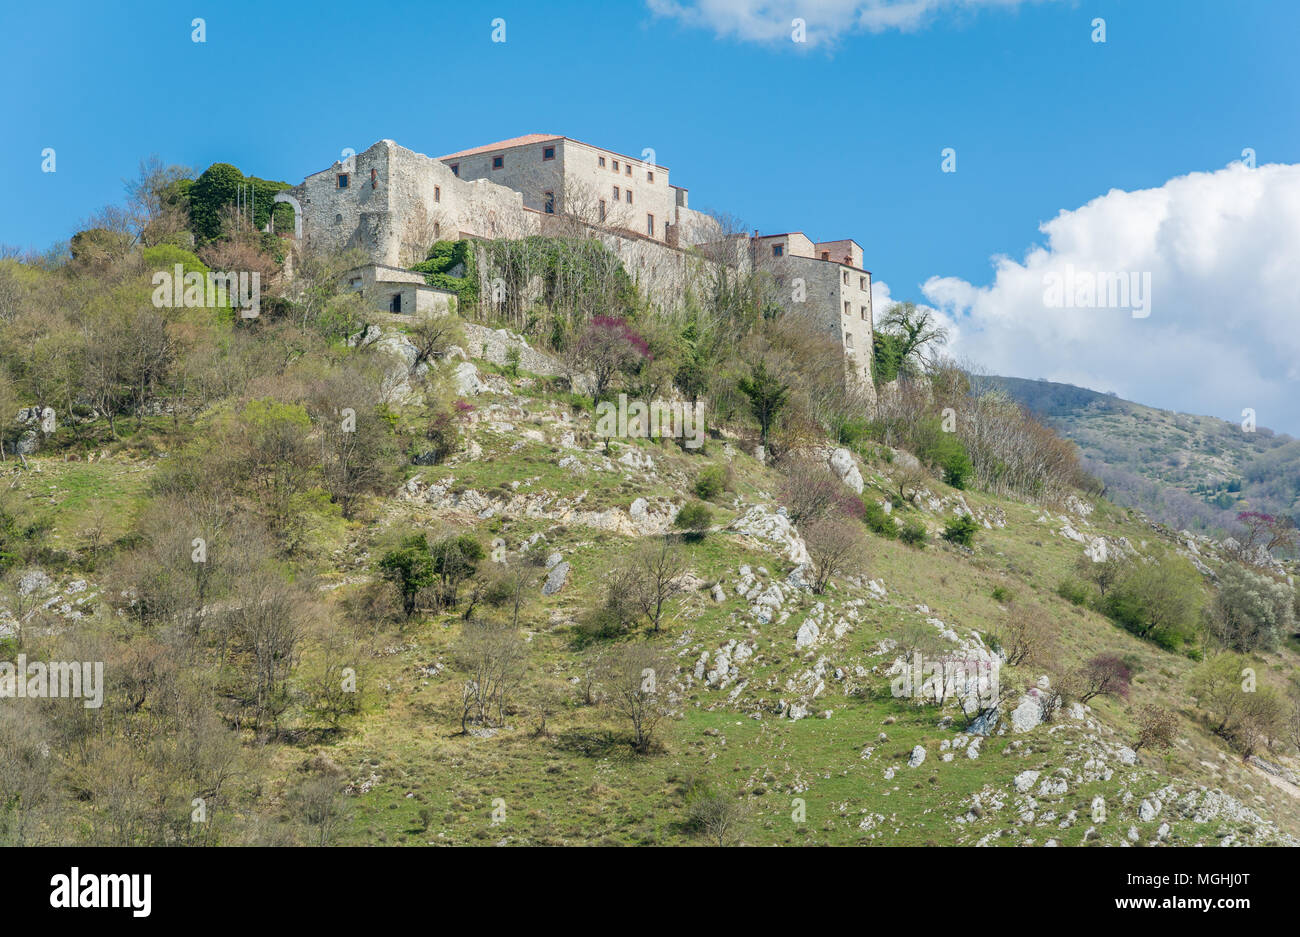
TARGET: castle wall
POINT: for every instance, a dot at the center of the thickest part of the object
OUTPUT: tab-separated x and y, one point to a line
838	296
398	202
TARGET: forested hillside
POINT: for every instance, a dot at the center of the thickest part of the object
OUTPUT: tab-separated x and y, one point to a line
1193	472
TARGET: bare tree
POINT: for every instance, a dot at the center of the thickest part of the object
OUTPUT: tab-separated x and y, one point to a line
658	574
809	490
908	479
1103	573
1157	728
721	818
155	213
1103	675
607	347
496	659
834	547
267	620
432	336
319	804
423	228
1024	635
636	684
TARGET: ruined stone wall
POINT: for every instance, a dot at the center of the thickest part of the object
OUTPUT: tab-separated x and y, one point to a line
398	202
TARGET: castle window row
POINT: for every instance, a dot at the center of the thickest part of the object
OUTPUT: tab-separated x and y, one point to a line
627	168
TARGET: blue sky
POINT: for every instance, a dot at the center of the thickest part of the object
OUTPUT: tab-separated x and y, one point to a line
840	136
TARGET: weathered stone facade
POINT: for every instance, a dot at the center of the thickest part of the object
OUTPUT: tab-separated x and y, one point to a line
399	291
827	279
558	175
393	203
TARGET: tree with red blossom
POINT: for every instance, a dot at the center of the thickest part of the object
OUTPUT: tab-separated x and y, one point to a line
608	347
1104	675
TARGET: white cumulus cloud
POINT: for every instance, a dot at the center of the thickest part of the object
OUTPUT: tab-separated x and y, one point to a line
1222	331
825	20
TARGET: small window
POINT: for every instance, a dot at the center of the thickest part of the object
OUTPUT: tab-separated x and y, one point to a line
826	255
848	339
616	193
778	250
343	180
498	162
600	161
396	304
629	196
628	168
550	203
437	193
848	309
866	313
437	230
614	163
455	170
862	283
649	175
846	278
602	209
548	152
650	225
374	178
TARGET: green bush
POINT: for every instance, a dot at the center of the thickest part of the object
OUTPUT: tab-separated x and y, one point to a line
222	184
961	530
943	452
711	482
166	256
1159	600
1073	591
913	533
880	523
694	518
1002	594
956	465
854	432
451	265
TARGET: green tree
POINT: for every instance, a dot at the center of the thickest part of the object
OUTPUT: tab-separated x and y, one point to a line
694	518
411	569
1251	610
961	530
1158	599
767	394
910	333
455	559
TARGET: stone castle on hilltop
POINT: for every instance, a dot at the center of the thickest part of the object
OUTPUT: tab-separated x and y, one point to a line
393	203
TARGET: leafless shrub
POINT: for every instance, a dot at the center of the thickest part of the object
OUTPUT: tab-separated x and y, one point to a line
635	681
496	658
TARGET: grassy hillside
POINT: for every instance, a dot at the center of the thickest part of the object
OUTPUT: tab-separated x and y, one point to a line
801	736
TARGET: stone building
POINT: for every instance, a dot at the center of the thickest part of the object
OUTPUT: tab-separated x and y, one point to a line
559	175
394	203
827	278
399	291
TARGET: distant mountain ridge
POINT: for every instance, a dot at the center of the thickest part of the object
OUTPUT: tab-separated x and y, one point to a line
1194	472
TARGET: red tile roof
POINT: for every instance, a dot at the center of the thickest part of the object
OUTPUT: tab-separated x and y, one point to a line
505	144
530	138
